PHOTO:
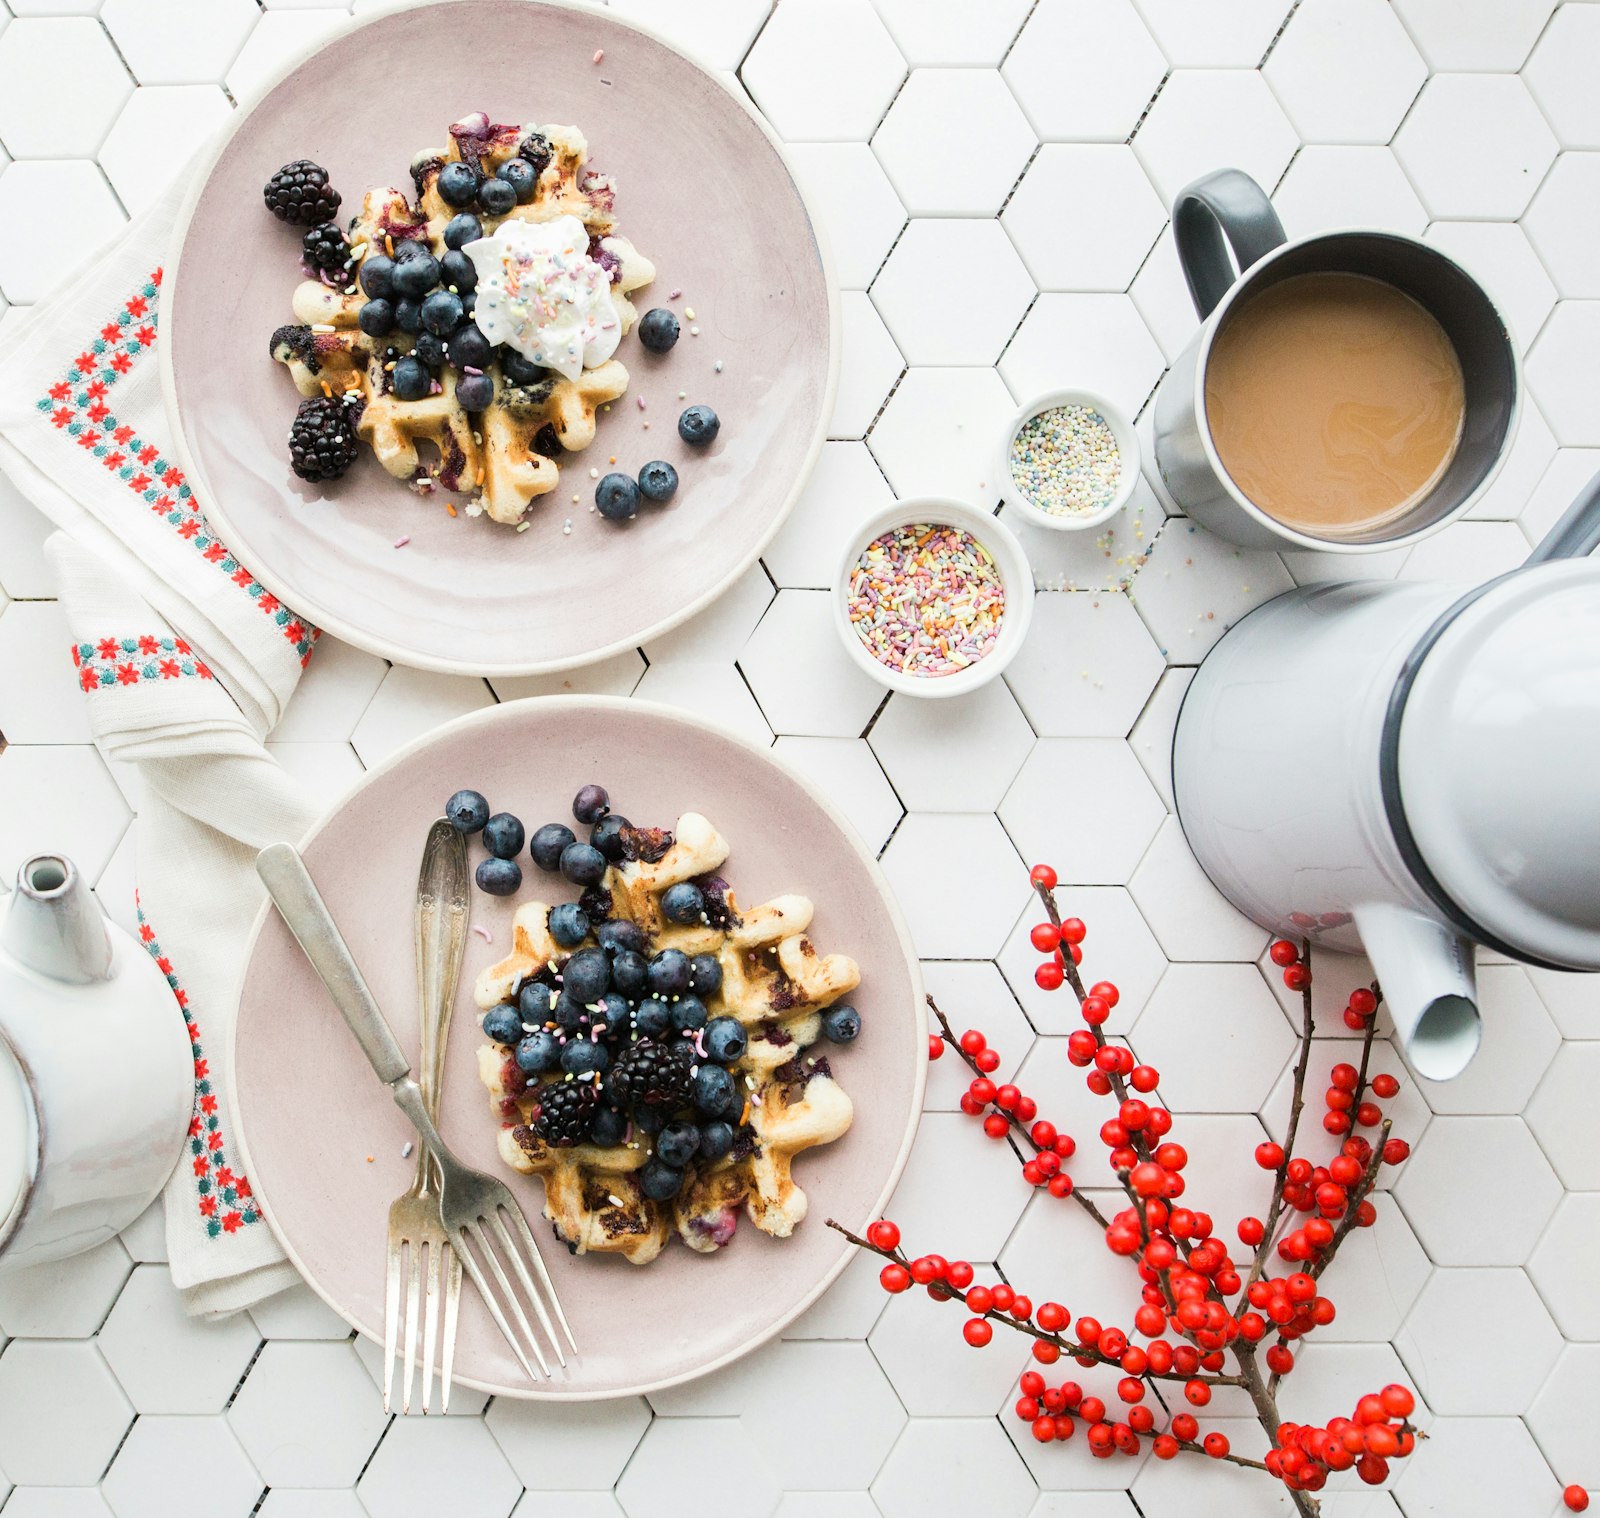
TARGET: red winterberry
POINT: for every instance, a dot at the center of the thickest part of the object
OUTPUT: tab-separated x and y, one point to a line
1283	953
1395	1151
884	1234
1269	1156
996	1126
1196	1393
1385	1086
987	1060
1216	1445
935	1046
894	1278
1049	976
1164	1447
1297	977
1073	930
972	1041
1052	1316
1251	1231
1363	1001
1045	937
1105	989
1144	1078
1576	1498
1095	1010
977	1332
1043	875
1185	1426
981	1299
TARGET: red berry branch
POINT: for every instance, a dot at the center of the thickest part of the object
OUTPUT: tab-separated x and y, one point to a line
1204	1319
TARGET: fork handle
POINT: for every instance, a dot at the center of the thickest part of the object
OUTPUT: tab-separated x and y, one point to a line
292	890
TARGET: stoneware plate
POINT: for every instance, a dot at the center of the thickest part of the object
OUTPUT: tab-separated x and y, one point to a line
322	1141
703	191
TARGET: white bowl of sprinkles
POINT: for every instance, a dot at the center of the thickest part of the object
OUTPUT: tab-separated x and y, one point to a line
933	597
1070	460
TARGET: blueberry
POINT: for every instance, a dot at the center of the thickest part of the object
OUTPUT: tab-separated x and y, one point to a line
658	481
467	811
376	317
498	877
502	1024
569	1012
684	902
688	1014
669	973
650	1120
630	972
677	1144
408	315
568	926
519	370
580	1057
716	1093
548	843
519	174
705	975
429	349
607	1126
497	196
658	329
469	348
475	391
409	248
841	1024
587	975
462	229
533	1002
591	804
377	277
457	184
653	1018
458	272
716	1140
698	426
503	835
416	276
726	1039
442	313
538	1053
616	1013
660	1182
582	863
616	497
620	934
606	836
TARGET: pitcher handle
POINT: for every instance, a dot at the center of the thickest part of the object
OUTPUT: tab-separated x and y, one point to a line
1221	210
1578	531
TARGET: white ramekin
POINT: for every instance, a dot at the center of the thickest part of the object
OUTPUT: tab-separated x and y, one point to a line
1127	446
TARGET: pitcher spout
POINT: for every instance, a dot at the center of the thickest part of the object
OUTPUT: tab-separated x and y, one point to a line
1426	972
52	923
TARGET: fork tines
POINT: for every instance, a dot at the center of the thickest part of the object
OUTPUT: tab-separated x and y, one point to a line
486	1248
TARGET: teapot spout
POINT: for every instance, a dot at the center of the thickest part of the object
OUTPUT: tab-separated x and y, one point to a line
53	925
1426	972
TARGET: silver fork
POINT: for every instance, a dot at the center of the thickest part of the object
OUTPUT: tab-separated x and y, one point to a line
481	1219
416	1233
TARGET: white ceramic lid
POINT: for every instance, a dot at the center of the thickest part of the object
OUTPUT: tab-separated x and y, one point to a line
1499	762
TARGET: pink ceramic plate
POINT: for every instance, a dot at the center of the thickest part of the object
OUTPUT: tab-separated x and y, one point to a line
322	1141
703	192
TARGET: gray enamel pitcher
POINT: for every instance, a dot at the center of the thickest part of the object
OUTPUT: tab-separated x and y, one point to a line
1227	211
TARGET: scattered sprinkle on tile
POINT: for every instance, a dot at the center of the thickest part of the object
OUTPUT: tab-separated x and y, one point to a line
401	542
483	932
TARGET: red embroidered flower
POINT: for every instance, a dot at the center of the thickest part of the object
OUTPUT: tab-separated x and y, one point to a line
170	669
88	439
172	478
127	675
183	997
123	434
189	528
114	460
61	416
88	679
231	1222
214	1142
201	670
98	411
122	363
268	602
107	648
85	363
201	1164
146	334
111	332
139	483
208	1105
164	964
201	1069
163	503
295	631
148	644
215	551
241	576
155	279
182	646
225	1176
195	1126
208	1206
147	933
139	305
243	1187
148	453
97	388
60	390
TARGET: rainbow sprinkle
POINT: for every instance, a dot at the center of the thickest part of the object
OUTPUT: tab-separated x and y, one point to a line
926	600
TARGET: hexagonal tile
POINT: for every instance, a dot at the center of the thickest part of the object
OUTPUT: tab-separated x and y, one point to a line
911	291
869	368
1105	558
279	38
84	214
1565	1118
308	1414
616	676
800	673
24	571
465	1403
289	1503
1210	1488
1222	1175
1151	738
937	435
846	772
321	771
1088	668
1563	223
1562	1415
954	142
1560	1267
62	1414
66	1299
950	31
331	695
1573	1000
179	41
824	72
953	1465
1531	452
973	996
852	197
1519	1041
1560	82
1227	34
1563	369
952	756
409	703
1084	72
1446	1363
846	487
1194	586
1063	248
1500	257
1375	1278
1570	470
426	1466
563	1446
918	1343
1503	1161
718	33
152	140
1475	146
181	1468
826	1505
667	1475
848	1309
953	1157
1206	117
1161	294
721	629
1487	1465
298	1313
86	832
47	110
1345	70
1463	35
1190	916
63	1502
1328	188
1216	1035
1091	342
716	692
1119	948
1467	553
145	1238
1336	1376
1092	844
1075	1504
958	879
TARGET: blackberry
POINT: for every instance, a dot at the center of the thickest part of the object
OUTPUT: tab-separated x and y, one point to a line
322	441
325	249
565	1108
299	193
535	149
648	1074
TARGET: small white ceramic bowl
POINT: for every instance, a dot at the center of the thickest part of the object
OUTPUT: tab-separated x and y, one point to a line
1016	577
1127	446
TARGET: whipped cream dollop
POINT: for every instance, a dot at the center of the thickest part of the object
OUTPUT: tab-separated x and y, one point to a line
541	293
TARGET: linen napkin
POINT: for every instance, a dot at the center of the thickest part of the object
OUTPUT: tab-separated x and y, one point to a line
186	661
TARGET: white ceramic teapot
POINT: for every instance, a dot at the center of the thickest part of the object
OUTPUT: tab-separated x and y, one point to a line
96	1070
1411	770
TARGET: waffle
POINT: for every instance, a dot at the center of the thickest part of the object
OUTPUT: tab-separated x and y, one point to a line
507	454
774	981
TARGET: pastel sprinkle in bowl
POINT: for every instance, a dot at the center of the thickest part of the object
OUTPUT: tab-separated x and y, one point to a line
969	558
1068	435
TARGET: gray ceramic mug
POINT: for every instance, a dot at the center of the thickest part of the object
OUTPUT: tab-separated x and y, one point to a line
1229	210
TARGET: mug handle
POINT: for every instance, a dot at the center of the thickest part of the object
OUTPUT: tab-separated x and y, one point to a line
1221	210
1578	531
